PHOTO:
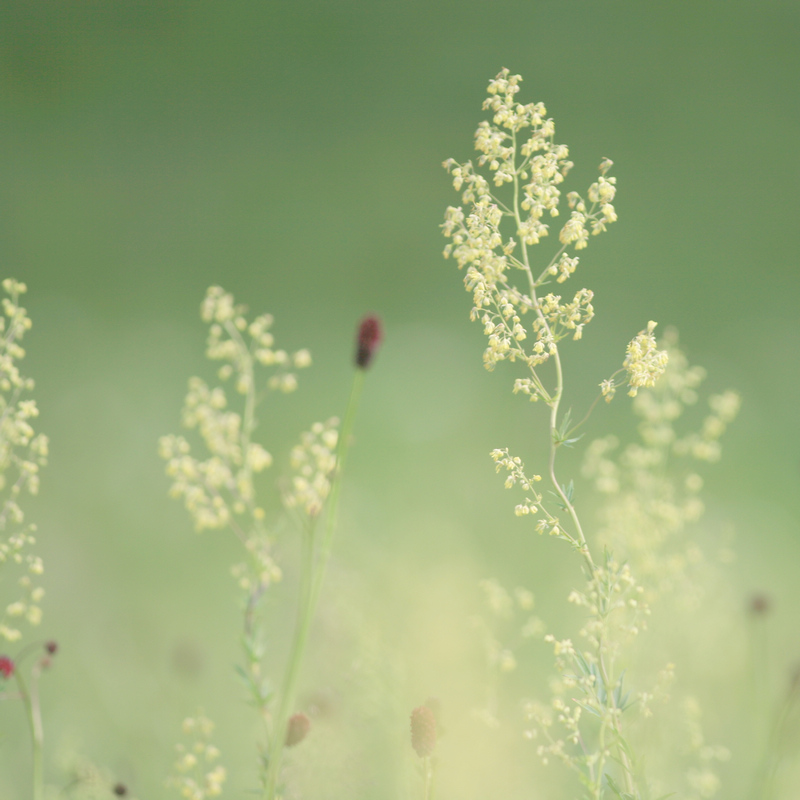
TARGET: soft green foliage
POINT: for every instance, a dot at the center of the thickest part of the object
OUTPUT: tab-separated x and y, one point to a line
593	720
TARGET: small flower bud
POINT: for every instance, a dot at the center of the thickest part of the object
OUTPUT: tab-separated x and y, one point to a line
120	790
367	341
51	647
759	604
297	730
6	666
423	731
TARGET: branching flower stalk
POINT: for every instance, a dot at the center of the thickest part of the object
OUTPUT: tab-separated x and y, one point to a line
22	453
535	166
219	492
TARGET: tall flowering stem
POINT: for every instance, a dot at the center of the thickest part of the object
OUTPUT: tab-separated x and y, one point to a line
317	551
518	150
22	453
219	492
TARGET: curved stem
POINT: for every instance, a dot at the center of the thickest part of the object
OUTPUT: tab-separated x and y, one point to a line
554	403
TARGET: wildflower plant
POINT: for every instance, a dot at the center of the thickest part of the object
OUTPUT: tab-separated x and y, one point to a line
22	453
219	491
197	773
510	199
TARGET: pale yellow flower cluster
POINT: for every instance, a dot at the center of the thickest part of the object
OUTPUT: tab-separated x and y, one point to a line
226	342
644	362
516	476
22	453
517	148
313	462
648	512
219	489
196	775
502	633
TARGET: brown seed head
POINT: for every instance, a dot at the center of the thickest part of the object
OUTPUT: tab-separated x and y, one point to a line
760	604
297	729
423	731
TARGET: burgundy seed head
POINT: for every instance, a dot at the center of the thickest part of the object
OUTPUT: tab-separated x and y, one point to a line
6	666
120	789
423	731
367	340
51	647
298	728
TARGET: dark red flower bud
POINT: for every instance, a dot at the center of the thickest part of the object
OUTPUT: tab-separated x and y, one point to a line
6	666
367	341
298	728
423	731
51	647
120	790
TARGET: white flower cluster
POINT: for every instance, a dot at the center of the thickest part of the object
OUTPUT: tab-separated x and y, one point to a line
196	776
22	453
517	148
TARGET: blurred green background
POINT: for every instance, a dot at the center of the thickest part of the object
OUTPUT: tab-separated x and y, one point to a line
291	152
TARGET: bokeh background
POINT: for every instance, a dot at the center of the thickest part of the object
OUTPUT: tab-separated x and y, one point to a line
291	152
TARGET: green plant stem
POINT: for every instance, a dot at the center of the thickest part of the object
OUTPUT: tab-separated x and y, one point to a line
313	573
554	402
773	755
34	714
428	778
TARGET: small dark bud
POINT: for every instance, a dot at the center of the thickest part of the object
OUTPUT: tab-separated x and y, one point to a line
760	604
51	647
298	728
120	790
794	682
367	341
423	731
6	666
